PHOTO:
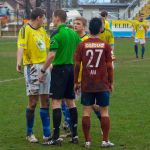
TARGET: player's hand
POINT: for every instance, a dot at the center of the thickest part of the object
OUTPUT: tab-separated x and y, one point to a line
18	68
111	88
76	88
41	77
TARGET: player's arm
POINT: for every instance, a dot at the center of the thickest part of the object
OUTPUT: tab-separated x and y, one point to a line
133	32
19	59
21	44
50	57
47	41
110	69
77	58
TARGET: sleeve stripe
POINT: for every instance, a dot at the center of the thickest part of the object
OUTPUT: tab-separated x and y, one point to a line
23	32
53	49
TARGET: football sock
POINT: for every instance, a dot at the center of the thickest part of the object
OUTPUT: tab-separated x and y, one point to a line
136	50
66	113
105	125
86	124
143	51
98	114
44	113
74	120
56	122
29	120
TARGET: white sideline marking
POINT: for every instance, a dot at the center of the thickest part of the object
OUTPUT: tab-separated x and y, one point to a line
9	80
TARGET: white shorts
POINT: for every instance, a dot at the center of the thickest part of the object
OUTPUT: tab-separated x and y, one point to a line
33	86
139	41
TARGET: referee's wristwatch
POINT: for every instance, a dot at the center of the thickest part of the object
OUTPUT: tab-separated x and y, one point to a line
43	71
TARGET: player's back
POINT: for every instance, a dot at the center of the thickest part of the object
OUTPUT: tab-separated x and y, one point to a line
107	36
66	41
95	55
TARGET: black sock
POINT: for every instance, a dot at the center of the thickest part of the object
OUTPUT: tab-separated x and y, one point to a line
98	114
56	122
74	120
143	51
136	50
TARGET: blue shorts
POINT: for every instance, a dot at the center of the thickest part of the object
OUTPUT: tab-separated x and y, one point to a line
98	98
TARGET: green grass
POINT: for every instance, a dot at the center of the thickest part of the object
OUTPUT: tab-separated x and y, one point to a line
129	109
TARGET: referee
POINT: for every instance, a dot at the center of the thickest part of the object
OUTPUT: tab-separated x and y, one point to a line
63	45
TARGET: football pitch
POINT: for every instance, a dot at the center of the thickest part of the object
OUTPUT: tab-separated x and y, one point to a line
129	108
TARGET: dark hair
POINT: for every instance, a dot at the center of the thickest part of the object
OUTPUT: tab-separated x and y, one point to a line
104	13
37	12
95	26
61	14
82	19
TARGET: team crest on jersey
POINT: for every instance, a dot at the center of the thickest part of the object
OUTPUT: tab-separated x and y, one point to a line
94	45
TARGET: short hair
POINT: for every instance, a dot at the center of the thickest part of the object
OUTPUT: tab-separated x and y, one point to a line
141	14
82	19
61	14
95	25
37	12
104	13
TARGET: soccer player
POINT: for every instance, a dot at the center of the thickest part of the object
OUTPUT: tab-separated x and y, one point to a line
33	43
97	80
63	44
140	34
80	24
104	15
105	35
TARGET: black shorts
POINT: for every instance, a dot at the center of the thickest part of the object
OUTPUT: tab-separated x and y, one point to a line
99	98
62	82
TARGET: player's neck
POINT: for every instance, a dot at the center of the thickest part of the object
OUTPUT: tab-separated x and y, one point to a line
34	25
94	36
82	34
60	23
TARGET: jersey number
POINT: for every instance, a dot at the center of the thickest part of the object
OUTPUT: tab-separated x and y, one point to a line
91	53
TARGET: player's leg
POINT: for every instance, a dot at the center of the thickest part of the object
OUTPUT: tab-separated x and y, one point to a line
57	88
44	107
142	42
70	96
33	99
56	106
87	100
32	89
65	110
45	117
103	102
96	109
136	46
73	119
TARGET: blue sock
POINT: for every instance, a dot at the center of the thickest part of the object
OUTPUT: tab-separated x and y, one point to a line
44	113
66	112
143	51
136	50
98	114
29	120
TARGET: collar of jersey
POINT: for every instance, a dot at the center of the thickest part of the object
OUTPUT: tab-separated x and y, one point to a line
103	31
61	26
